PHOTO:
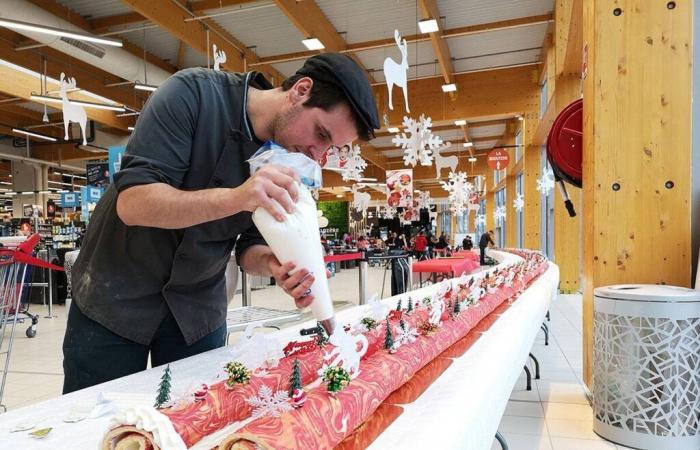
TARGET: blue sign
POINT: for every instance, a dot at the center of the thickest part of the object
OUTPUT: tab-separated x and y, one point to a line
70	199
90	194
115	160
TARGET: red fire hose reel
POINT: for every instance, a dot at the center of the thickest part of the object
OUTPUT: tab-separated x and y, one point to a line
565	149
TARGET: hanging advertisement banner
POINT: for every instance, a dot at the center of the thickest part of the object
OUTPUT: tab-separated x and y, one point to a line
97	173
70	199
399	185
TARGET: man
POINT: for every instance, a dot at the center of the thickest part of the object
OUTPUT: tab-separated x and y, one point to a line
150	276
420	246
467	243
486	240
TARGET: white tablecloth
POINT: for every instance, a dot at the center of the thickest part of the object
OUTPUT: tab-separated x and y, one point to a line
470	396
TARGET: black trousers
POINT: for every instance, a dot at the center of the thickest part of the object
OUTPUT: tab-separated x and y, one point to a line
482	254
92	354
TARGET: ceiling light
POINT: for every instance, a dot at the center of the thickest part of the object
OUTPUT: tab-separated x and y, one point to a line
449	87
468	144
18	25
339	195
368	179
460	122
428	26
26	192
392	130
36	135
44	192
313	44
49	99
520	118
6	183
130	128
145	87
472	159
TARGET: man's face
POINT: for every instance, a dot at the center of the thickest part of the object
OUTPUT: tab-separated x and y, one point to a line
311	131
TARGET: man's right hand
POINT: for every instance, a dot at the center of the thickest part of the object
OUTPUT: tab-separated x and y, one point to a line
271	187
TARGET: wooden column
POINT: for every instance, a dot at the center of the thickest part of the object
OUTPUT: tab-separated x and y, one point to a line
637	147
509	139
490	203
531	172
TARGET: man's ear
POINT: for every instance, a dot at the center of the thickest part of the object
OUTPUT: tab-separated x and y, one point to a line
301	91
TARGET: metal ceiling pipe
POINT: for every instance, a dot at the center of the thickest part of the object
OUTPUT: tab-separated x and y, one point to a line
114	59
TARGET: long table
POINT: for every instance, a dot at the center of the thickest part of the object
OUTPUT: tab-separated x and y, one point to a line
454	266
461	409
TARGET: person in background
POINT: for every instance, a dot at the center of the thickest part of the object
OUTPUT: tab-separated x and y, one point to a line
442	242
420	246
467	243
391	241
432	242
347	239
486	240
362	243
400	242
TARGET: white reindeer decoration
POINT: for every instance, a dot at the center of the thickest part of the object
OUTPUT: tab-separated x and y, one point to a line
444	161
71	112
219	58
346	352
360	200
395	73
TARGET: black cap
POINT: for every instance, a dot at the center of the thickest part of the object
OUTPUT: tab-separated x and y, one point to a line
342	71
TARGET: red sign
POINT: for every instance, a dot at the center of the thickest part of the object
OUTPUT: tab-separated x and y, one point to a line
498	159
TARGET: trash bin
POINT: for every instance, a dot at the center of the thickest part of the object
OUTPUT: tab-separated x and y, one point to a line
646	366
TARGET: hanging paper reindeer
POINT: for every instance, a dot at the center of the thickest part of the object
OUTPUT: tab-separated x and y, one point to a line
219	58
72	112
442	162
395	73
360	200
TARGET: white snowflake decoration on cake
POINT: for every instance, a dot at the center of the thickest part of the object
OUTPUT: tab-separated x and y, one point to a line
480	219
405	336
545	184
519	202
355	165
424	200
268	403
459	190
419	143
499	214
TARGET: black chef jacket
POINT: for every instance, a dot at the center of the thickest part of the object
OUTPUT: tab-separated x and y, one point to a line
192	134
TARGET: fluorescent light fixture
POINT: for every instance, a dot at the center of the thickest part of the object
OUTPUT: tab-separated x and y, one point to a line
460	122
368	179
6	183
26	192
145	87
520	118
26	26
62	191
10	193
44	192
393	130
468	144
32	134
449	87
428	26
472	159
49	99
313	44
130	128
339	195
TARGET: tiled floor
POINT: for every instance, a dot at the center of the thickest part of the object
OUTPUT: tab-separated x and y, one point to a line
555	415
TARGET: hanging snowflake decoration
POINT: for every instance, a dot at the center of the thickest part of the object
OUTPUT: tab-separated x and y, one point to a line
424	200
419	143
519	202
499	214
480	219
269	404
389	212
459	190
546	183
355	165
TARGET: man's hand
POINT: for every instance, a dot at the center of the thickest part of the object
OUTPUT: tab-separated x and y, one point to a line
297	285
272	187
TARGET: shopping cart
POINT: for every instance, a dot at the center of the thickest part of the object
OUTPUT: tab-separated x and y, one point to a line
16	261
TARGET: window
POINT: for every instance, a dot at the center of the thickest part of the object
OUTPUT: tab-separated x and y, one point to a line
445	220
480	226
518	143
546	212
519	214
500	230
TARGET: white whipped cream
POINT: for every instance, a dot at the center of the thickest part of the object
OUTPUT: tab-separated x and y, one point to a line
148	419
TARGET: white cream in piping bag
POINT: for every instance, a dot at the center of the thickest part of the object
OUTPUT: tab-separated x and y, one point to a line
297	239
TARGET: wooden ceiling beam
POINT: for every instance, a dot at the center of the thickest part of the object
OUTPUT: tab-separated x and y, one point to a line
430	10
171	17
66	151
312	22
446	34
68	15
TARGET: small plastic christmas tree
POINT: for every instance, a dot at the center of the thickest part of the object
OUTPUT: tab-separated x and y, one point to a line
163	396
388	337
398	305
295	378
410	305
402	324
457	308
